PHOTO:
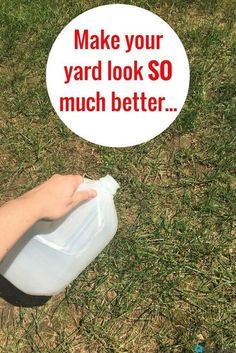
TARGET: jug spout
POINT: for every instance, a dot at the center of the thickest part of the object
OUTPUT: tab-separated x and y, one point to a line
110	183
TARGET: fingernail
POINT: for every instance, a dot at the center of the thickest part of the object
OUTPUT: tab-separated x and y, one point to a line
92	193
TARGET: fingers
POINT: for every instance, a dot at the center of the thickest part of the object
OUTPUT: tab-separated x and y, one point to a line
76	180
84	195
72	179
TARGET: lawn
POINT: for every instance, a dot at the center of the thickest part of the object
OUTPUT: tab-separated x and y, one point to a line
167	281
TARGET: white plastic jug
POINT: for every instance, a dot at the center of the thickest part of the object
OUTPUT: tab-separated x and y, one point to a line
53	253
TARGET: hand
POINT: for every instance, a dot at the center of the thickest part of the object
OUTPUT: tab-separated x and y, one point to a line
57	196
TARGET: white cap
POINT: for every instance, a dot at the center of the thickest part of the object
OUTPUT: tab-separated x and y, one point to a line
110	183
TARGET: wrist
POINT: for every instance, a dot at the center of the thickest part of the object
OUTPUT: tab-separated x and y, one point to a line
32	207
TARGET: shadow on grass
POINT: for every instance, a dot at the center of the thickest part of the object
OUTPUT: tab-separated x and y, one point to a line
16	297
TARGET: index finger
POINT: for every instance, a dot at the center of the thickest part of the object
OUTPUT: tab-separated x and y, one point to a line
77	180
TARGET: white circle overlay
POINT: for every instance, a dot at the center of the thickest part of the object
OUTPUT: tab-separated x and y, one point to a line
117	75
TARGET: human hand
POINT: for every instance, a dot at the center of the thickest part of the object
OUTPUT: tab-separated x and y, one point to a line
57	196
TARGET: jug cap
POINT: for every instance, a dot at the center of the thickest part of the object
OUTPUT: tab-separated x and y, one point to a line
110	183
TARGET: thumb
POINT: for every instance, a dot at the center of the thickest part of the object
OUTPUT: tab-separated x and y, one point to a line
83	195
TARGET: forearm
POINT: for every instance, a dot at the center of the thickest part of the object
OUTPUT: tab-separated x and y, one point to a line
16	217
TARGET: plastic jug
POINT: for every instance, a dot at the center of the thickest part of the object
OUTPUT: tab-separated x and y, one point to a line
53	253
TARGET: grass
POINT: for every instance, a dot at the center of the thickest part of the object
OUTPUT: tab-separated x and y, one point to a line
167	280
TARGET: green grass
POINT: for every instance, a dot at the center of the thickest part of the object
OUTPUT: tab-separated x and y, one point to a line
167	280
